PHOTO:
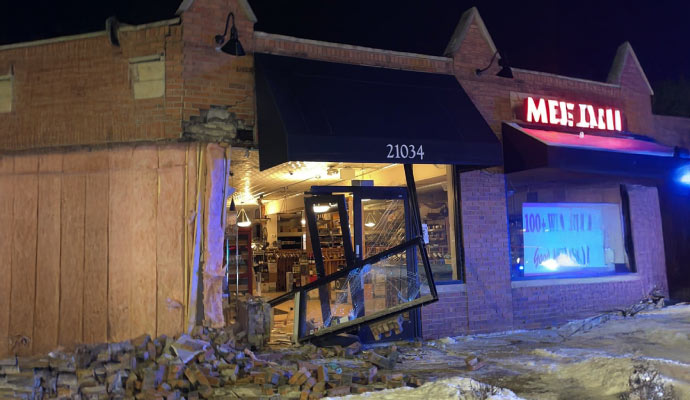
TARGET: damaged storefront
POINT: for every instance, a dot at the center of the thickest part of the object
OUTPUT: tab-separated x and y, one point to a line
339	254
389	194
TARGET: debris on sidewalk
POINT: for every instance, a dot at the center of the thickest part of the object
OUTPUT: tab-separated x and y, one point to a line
387	327
473	363
254	318
646	384
654	301
206	364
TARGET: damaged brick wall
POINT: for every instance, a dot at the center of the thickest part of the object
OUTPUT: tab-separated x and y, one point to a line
79	91
218	102
218	124
92	245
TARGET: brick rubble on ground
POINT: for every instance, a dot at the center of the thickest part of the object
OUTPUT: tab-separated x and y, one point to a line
208	364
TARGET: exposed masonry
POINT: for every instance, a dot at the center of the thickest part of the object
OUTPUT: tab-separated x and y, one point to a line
218	124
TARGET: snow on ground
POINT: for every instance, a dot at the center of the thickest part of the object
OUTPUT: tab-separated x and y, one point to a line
443	389
545	365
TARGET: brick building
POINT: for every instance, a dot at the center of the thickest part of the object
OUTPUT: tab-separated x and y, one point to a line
113	187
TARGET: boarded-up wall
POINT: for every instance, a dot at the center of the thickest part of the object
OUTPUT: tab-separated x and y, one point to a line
92	244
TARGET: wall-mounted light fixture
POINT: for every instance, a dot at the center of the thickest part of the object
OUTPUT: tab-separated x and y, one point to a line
505	71
233	45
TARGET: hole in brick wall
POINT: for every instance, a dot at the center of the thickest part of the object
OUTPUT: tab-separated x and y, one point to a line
245	135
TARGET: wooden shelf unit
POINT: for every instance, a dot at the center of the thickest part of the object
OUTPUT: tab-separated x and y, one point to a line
246	270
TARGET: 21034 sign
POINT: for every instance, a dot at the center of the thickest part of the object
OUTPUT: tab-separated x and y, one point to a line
405	151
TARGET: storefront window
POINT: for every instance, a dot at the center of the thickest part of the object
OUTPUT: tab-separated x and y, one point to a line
384	220
566	231
436	200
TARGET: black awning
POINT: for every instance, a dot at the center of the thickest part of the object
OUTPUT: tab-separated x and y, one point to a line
527	148
322	111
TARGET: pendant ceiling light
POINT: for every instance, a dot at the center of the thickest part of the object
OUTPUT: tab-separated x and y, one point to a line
321	208
370	222
232	213
242	219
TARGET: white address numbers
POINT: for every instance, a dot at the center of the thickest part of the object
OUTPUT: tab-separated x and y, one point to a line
405	151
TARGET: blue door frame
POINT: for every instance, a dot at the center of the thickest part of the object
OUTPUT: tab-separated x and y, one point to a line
412	326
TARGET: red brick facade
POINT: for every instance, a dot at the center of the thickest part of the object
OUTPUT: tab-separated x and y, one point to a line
78	92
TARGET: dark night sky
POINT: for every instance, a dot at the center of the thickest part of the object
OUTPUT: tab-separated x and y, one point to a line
577	38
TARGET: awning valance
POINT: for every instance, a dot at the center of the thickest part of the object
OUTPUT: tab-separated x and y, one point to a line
527	148
323	111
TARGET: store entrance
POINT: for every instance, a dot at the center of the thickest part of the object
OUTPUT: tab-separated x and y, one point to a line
380	220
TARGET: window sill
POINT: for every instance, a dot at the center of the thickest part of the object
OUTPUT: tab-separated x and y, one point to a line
455	287
575	281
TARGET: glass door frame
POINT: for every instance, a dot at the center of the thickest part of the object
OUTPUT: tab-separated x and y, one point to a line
367	192
360	193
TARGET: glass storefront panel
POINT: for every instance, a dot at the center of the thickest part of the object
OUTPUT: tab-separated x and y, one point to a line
563	231
435	202
383	222
389	285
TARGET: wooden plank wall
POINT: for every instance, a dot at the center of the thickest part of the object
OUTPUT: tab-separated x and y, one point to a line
92	245
48	256
6	234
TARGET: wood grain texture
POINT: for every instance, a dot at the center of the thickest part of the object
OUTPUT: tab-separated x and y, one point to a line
214	203
191	206
143	235
6	235
72	260
119	254
96	259
47	309
23	279
170	262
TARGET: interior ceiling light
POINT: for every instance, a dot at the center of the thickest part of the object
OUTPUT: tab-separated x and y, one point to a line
370	222
233	45
505	71
243	220
232	204
321	208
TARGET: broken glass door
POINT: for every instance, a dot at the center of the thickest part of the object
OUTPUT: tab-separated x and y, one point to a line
381	223
375	290
330	305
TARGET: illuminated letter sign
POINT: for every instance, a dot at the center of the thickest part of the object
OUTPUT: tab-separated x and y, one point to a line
563	113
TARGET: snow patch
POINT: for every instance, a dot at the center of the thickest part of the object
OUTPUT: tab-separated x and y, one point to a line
546	354
445	389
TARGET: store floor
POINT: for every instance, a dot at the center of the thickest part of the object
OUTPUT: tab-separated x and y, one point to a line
313	307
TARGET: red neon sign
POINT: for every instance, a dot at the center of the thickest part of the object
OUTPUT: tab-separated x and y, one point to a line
580	115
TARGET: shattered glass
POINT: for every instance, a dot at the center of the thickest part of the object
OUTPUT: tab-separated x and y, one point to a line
385	286
383	224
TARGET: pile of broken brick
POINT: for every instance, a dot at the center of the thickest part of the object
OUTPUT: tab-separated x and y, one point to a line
207	364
